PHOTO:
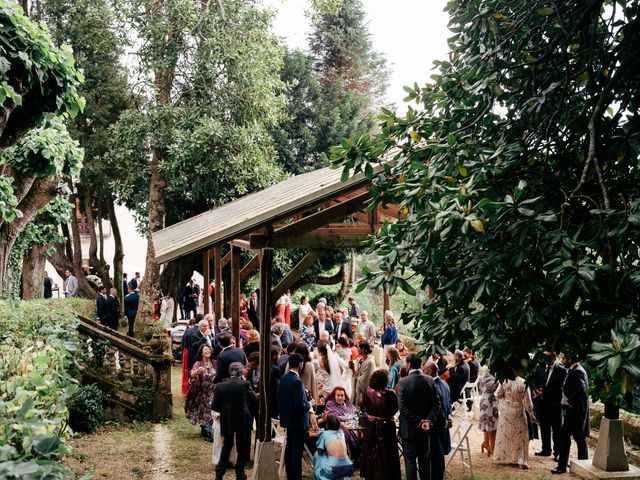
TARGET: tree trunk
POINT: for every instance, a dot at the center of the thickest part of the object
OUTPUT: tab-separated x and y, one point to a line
118	254
84	288
101	269
176	274
344	288
68	250
40	192
60	260
150	287
33	272
101	233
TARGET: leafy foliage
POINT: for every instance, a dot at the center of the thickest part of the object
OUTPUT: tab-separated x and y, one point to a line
86	411
213	131
517	183
37	345
35	76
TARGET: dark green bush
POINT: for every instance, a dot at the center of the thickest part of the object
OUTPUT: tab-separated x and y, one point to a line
86	411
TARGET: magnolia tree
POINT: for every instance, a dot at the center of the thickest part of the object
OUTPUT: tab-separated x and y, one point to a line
517	180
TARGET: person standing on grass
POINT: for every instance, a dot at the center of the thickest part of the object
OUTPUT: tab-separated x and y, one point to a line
419	406
294	416
131	302
237	404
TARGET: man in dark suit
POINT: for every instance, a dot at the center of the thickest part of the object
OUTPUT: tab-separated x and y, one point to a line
419	406
101	305
125	284
575	405
197	339
440	437
458	376
191	294
343	325
48	286
322	320
131	302
112	310
227	356
253	311
549	379
294	416
237	404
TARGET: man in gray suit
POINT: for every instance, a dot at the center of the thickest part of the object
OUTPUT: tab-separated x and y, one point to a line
71	284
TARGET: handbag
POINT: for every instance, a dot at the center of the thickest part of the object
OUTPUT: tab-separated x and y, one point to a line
341	471
194	389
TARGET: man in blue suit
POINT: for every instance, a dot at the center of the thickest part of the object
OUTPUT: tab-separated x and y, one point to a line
227	356
294	416
131	302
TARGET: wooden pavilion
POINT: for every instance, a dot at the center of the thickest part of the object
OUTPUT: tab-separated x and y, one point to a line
315	211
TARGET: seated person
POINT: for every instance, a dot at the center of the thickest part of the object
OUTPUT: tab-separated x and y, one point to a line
339	405
331	460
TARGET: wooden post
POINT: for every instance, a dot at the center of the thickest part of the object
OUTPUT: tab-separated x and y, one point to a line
235	293
217	303
266	268
207	279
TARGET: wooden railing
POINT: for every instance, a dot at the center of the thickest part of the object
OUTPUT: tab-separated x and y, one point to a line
134	376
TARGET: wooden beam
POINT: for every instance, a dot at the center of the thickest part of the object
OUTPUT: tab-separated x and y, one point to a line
249	268
206	299
243	244
323	217
235	293
344	228
326	241
296	272
226	259
266	271
217	265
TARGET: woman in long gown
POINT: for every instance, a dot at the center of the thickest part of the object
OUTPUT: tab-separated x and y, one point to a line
512	435
332	371
380	459
338	404
197	406
331	453
488	422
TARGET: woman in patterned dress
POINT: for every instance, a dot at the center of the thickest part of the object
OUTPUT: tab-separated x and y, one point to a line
197	406
512	435
488	423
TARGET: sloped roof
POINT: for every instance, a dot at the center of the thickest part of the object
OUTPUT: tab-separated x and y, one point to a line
252	211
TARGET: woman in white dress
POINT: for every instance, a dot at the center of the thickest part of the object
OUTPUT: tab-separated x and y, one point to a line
512	435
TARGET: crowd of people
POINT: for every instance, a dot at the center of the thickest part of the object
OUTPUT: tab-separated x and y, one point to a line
346	390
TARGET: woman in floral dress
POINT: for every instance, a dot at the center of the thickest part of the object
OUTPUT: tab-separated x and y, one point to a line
512	435
197	406
488	422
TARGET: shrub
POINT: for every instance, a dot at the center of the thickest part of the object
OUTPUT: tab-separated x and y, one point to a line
86	410
38	340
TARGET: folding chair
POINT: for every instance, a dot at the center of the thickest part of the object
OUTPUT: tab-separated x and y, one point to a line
280	438
460	443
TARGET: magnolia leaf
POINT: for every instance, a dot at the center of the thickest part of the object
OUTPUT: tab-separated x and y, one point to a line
462	170
415	136
477	225
545	12
613	364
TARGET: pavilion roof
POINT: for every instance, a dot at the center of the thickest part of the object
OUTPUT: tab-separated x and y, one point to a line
253	211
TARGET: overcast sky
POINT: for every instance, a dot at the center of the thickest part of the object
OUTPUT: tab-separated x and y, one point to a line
410	33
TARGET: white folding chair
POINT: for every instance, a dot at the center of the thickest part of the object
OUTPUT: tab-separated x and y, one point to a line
280	438
469	394
460	443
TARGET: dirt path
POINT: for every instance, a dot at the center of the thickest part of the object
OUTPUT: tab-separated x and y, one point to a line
162	455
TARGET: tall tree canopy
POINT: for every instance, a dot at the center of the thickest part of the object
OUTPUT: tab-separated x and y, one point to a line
209	75
517	177
335	88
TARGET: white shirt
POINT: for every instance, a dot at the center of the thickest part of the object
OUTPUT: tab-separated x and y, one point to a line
303	310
